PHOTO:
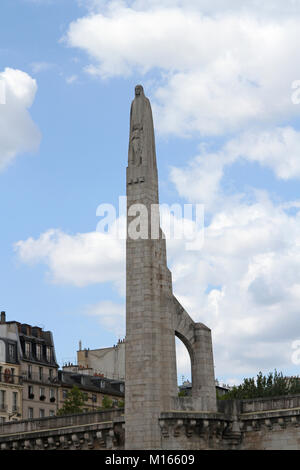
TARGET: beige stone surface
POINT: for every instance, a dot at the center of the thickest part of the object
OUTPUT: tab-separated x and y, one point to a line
153	315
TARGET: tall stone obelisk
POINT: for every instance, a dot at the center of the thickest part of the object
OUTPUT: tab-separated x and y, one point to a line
153	315
150	361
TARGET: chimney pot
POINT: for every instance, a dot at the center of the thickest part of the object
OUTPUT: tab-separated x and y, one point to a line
3	317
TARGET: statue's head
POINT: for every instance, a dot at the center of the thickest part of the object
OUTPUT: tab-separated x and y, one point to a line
139	90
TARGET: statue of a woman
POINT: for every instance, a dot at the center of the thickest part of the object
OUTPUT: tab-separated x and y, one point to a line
141	138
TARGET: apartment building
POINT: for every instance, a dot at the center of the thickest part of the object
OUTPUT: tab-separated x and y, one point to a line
35	367
92	385
11	384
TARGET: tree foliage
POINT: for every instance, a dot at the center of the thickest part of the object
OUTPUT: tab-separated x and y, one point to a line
74	402
272	385
107	403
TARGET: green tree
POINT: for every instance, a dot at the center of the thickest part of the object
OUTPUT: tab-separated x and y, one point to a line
74	402
275	384
107	403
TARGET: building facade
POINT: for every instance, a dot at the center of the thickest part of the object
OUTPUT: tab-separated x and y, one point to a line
11	383
29	379
96	389
107	361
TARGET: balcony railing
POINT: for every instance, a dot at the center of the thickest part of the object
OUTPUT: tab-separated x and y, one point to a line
36	377
10	378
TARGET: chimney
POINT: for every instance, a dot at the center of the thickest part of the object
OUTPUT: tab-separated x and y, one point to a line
3	317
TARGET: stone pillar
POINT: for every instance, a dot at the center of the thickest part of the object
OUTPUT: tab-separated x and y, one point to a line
203	377
150	357
152	314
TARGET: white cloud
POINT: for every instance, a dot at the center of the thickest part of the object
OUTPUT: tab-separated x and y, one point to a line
217	73
81	259
278	149
18	133
245	285
213	7
201	180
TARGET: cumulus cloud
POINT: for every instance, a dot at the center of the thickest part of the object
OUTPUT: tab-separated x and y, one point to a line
18	133
80	259
245	284
200	181
212	7
217	73
277	149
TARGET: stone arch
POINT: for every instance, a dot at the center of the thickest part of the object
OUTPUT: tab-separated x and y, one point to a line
197	339
187	345
184	330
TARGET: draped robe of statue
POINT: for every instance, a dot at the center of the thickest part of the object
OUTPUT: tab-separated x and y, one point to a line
141	139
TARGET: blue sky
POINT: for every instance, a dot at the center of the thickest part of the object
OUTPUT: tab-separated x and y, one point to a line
228	136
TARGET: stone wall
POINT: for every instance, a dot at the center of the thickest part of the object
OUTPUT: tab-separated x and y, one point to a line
96	430
262	424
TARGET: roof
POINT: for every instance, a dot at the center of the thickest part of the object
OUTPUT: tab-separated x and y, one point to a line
91	383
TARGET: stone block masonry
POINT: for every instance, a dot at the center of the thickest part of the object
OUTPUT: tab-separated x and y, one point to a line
153	316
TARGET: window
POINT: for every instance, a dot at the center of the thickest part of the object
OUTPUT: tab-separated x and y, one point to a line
29	371
50	374
48	354
27	349
64	394
40	373
11	352
2	400
122	388
94	398
38	351
42	393
15	401
12	378
52	393
42	413
51	413
30	413
30	392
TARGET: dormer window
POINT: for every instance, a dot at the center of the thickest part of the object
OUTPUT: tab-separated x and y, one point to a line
11	352
38	351
27	349
48	354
